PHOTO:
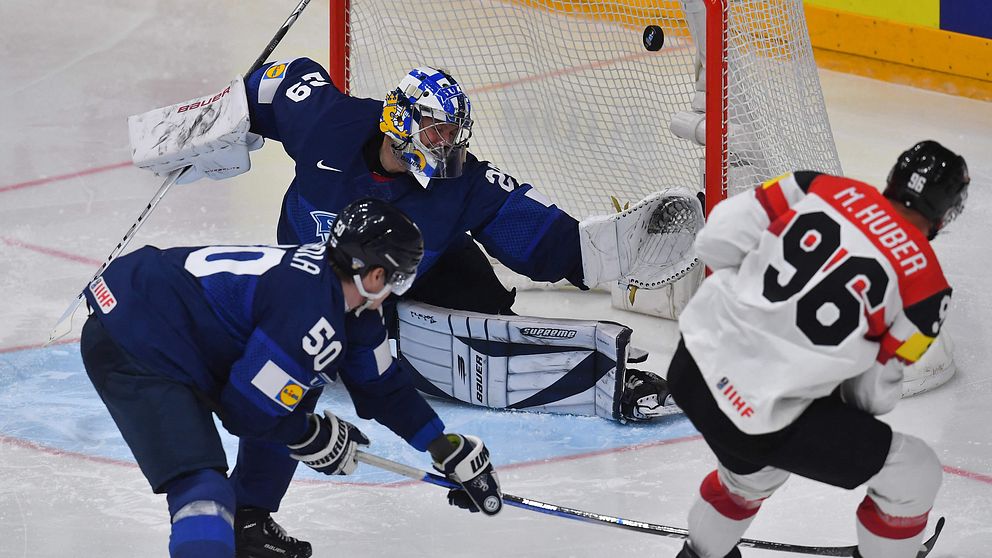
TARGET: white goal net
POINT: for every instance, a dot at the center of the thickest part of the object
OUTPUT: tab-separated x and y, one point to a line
565	95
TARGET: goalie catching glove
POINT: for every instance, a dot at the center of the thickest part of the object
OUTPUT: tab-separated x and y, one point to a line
209	134
330	444
647	245
465	460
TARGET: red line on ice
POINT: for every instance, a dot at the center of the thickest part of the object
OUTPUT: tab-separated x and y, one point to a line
50	179
36	346
50	251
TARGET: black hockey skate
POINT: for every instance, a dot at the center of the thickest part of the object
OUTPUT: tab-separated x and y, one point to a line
645	396
257	535
688	552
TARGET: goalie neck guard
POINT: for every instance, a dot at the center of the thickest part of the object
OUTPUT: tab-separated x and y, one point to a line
370	233
428	119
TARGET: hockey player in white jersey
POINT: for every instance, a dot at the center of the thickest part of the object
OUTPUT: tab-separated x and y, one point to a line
822	289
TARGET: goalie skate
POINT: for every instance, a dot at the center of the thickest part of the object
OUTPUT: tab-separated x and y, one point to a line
645	396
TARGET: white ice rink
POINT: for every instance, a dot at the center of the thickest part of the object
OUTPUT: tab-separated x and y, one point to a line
72	73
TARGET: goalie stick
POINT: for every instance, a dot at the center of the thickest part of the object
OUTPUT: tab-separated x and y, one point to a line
64	325
631	524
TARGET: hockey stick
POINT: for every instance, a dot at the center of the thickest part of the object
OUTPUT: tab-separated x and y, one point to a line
64	325
643	527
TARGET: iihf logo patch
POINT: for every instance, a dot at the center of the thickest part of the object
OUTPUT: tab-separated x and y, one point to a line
105	299
722	383
325	220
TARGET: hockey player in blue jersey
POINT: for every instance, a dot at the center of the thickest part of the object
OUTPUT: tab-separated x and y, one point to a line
411	150
252	334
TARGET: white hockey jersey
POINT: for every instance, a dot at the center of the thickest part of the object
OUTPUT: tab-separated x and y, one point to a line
817	283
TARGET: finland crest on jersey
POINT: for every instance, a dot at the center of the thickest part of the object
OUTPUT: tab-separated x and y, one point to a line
325	220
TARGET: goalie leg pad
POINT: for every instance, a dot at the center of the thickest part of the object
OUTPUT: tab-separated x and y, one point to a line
515	362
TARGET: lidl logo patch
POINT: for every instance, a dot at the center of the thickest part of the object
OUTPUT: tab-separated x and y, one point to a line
275	71
291	394
278	386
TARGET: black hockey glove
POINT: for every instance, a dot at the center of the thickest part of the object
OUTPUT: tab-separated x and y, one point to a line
330	444
466	461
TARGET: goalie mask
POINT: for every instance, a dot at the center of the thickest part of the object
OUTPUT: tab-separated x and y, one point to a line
428	119
370	233
931	180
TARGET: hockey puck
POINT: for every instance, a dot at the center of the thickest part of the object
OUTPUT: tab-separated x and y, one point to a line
654	38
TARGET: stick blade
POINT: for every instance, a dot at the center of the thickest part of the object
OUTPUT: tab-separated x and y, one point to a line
64	325
928	544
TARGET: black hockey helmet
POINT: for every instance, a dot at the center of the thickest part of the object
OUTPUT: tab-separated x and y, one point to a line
370	233
932	180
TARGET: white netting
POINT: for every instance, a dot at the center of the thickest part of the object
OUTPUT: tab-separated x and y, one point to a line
566	97
776	115
570	103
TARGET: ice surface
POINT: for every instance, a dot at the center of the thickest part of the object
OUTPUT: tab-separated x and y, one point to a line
68	487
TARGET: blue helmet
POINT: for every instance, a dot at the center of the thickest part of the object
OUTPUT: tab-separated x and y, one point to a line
428	119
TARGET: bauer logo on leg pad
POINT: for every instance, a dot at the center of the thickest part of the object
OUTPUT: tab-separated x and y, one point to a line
480	383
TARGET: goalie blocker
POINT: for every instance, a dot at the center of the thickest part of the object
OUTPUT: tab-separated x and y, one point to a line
533	364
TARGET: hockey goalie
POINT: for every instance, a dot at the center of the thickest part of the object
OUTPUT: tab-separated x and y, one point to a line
456	331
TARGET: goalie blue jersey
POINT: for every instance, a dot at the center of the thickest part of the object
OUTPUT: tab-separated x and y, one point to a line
326	133
256	329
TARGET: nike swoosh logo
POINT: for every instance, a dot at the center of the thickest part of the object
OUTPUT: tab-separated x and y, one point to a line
322	166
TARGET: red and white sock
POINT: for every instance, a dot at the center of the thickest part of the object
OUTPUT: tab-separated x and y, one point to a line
881	535
718	518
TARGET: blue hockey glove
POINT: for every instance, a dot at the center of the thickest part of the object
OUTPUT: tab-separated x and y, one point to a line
468	465
330	445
